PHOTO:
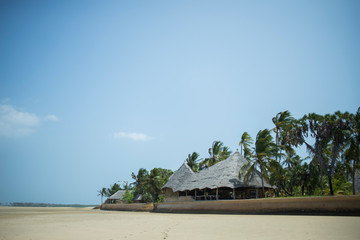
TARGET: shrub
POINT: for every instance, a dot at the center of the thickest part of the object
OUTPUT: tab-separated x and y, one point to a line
147	198
128	196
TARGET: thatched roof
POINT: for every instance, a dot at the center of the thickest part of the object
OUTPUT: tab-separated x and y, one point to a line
222	174
118	195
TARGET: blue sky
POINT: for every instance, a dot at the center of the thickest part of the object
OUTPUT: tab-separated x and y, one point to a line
91	91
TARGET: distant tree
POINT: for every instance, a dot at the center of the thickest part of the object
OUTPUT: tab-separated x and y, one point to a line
128	196
246	142
141	181
126	185
327	131
285	175
112	190
218	152
283	122
339	131
262	155
224	153
352	153
150	184
157	179
102	193
191	161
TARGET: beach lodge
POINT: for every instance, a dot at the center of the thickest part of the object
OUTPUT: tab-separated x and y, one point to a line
218	182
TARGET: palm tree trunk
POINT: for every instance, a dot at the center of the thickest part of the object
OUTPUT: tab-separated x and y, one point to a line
330	184
353	177
277	144
302	189
322	180
262	182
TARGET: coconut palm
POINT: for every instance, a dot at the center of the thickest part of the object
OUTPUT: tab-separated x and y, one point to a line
141	181
217	153
352	153
112	190
327	131
262	155
282	122
290	157
338	127
224	153
102	193
191	161
157	178
245	143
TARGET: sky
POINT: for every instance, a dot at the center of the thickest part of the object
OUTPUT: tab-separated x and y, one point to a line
91	91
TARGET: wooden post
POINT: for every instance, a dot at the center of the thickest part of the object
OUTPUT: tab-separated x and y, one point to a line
217	194
185	193
256	192
195	193
205	193
234	197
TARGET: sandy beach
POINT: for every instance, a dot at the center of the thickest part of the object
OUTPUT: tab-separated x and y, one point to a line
85	223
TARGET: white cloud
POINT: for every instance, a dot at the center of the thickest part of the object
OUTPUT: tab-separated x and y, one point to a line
133	136
14	123
51	118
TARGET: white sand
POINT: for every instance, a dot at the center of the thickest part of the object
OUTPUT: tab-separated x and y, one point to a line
72	223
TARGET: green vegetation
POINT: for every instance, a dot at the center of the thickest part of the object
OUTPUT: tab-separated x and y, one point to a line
128	196
192	161
260	157
332	141
147	184
218	152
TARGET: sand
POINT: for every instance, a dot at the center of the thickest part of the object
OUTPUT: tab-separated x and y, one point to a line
85	223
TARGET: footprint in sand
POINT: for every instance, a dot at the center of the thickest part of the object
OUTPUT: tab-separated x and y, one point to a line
166	233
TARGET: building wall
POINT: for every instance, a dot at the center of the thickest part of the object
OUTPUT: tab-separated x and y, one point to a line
170	196
336	205
332	205
129	207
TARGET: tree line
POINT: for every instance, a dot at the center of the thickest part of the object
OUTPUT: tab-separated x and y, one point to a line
332	141
146	184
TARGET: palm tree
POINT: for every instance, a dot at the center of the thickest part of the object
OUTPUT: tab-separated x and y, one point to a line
245	142
290	157
338	131
191	161
224	153
217	153
157	178
102	193
282	122
141	181
112	190
352	153
263	152
327	131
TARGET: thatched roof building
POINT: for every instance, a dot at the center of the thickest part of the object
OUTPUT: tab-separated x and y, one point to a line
116	197
222	176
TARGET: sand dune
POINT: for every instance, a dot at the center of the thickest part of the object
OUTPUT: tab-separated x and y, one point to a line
72	223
